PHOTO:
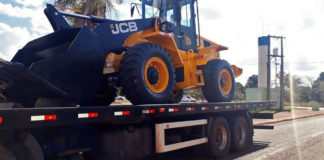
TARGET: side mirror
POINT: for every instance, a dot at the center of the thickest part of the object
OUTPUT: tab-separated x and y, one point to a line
133	5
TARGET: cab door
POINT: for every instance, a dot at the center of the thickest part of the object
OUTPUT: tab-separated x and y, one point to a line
187	27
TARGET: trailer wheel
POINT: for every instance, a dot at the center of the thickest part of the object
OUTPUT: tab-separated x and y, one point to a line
219	139
241	135
176	97
219	81
21	147
146	74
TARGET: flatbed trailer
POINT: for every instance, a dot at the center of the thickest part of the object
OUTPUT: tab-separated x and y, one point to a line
126	132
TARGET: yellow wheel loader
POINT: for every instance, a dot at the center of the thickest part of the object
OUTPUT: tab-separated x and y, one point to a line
152	59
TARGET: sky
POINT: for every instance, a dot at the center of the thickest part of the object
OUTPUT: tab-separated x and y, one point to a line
234	23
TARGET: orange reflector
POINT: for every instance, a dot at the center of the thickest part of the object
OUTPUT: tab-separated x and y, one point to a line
162	110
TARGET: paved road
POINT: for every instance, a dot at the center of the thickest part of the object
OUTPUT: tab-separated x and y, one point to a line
300	139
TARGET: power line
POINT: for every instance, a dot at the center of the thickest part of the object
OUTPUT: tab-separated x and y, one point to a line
318	62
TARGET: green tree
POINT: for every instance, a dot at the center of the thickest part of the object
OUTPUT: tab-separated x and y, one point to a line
304	94
318	89
239	92
252	82
89	7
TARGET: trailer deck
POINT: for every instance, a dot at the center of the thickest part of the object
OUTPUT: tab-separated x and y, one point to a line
28	118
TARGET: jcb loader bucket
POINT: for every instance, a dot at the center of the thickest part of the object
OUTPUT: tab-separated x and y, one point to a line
67	63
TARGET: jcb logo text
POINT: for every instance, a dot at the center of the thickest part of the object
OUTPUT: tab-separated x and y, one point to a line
123	27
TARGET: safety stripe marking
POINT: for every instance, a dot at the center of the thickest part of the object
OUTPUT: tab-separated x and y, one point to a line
122	113
88	115
173	109
218	107
204	108
43	118
191	109
149	111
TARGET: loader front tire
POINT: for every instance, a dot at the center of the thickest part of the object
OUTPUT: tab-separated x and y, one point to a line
219	81
147	75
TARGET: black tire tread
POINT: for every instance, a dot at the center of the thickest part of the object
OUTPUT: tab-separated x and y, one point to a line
249	136
211	89
129	79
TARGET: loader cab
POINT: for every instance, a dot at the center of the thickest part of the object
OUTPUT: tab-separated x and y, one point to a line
180	14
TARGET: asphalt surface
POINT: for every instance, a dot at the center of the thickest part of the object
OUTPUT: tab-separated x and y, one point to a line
299	139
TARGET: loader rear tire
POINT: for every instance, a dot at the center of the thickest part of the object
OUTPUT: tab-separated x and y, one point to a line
219	81
147	75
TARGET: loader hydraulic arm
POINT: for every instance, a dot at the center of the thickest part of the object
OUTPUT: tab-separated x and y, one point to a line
58	22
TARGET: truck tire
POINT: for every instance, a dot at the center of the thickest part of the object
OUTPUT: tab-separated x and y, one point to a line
219	139
219	81
176	97
23	146
147	75
242	138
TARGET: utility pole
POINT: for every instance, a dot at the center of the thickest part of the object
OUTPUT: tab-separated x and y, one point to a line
281	56
269	70
282	76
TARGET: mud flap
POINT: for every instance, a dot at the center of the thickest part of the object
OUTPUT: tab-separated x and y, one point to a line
69	60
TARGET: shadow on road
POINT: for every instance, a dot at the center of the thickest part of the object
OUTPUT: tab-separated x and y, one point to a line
257	145
188	154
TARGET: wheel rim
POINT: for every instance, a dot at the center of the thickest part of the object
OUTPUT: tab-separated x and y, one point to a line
225	81
221	137
240	134
156	75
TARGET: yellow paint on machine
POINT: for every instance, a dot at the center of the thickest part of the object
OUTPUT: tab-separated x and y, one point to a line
189	60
